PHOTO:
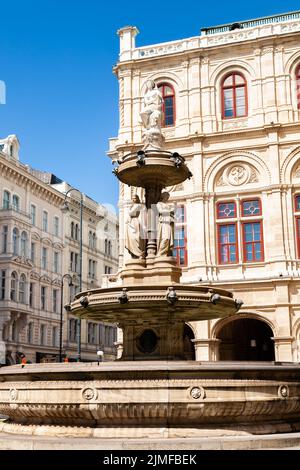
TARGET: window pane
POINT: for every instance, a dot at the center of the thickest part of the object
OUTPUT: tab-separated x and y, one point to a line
251	207
297	203
239	80
249	252
168	90
228	81
232	253
226	210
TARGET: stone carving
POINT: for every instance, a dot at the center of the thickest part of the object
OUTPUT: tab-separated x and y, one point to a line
283	391
237	174
13	394
135	232
198	392
89	393
151	116
165	232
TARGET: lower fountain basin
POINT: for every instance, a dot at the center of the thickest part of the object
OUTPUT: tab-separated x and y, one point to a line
153	399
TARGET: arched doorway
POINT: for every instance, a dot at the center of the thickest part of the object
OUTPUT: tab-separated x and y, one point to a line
246	339
189	348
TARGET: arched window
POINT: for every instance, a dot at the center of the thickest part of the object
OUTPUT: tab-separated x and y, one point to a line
168	95
16	202
22	284
15	241
6	200
13	286
234	96
24	243
298	85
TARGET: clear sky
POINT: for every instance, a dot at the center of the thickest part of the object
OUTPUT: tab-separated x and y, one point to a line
56	61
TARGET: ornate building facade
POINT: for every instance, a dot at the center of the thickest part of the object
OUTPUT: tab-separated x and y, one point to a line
39	245
232	109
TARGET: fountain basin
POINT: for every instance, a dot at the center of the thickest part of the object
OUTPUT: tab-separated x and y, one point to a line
153	399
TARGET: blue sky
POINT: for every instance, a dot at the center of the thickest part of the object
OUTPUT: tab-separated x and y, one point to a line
56	62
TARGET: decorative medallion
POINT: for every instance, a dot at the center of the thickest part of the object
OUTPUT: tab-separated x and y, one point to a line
237	175
13	393
89	393
283	391
198	392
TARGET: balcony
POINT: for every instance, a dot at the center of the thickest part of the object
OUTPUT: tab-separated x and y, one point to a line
12	212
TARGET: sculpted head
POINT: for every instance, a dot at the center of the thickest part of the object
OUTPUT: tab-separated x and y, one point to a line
164	196
150	84
136	199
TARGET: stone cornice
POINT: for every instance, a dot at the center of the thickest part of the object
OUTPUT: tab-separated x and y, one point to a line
14	171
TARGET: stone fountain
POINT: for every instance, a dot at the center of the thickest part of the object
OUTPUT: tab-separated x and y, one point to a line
151	391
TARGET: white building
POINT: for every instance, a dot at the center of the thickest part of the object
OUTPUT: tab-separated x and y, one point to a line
232	109
37	240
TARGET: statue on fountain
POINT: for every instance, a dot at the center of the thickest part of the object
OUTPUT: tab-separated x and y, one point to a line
135	232
151	117
165	232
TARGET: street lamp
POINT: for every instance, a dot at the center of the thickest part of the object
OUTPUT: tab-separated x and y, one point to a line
65	208
65	276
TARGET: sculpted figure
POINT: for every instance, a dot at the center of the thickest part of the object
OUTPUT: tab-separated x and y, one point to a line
135	229
151	112
151	116
165	233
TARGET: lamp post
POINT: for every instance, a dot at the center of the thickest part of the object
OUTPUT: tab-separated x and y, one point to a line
65	276
65	208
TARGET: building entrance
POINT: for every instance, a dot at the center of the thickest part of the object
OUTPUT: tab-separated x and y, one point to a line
246	340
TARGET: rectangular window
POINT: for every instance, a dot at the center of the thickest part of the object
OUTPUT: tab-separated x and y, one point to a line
72	330
45	221
43	334
227	242
30	333
179	251
297	203
33	214
107	270
54	336
31	294
180	238
4	238
228	103
56	262
253	243
92	333
32	252
3	282
54	300
56	226
43	298
44	257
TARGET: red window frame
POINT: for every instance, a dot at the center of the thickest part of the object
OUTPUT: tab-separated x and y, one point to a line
220	245
297	76
251	199
226	202
261	241
161	87
176	249
297	218
234	86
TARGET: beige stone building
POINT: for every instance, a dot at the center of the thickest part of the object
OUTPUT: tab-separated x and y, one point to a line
232	109
39	245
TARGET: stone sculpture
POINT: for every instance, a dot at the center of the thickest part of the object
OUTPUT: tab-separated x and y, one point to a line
135	230
165	232
151	117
